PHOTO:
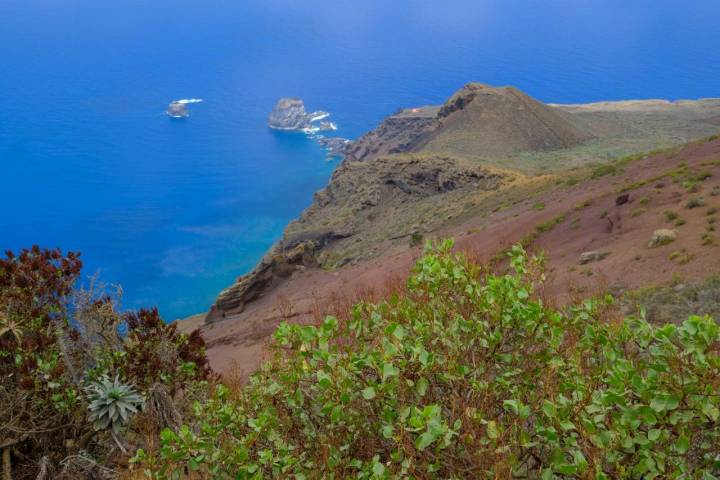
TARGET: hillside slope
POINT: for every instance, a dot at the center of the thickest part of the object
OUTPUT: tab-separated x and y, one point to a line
564	216
487	121
421	168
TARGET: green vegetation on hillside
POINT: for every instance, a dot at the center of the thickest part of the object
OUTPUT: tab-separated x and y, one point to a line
466	375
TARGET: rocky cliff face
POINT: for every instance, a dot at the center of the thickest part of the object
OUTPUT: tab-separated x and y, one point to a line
397	133
291	254
335	146
364	202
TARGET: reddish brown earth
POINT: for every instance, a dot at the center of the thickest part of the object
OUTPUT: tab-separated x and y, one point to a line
623	232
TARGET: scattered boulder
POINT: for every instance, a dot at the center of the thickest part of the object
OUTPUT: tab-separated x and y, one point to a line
592	256
622	199
662	236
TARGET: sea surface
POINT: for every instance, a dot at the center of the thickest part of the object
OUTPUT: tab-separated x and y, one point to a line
174	210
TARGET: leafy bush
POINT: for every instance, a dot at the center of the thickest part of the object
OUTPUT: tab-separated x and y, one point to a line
694	203
605	169
466	376
56	343
416	239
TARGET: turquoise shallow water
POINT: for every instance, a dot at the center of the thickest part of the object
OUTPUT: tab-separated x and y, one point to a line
175	210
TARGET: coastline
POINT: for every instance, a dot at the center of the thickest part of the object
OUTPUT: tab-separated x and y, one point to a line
296	251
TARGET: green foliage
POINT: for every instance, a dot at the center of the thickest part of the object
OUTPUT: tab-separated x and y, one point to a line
694	203
55	342
466	376
583	204
670	215
680	257
605	169
112	403
416	239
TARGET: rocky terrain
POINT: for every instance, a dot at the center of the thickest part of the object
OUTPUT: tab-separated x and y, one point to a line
335	146
490	167
398	133
289	114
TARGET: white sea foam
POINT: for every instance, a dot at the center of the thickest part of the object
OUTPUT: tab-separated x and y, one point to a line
185	101
319	116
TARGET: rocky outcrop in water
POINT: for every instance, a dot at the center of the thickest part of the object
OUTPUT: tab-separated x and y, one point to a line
177	110
290	114
335	146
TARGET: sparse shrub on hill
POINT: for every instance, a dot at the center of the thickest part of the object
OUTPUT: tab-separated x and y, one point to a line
58	346
467	375
605	169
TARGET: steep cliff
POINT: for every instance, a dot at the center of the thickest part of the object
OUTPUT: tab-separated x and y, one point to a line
423	168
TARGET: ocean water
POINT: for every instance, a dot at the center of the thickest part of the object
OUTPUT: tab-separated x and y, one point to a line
174	210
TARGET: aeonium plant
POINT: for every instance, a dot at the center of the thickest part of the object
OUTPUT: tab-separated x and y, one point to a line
112	403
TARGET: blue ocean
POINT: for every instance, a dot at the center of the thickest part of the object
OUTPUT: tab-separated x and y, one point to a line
174	210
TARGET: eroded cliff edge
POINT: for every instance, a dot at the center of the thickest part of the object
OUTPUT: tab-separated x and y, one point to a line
423	167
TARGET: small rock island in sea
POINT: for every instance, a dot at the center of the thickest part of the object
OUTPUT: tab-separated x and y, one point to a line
179	108
290	114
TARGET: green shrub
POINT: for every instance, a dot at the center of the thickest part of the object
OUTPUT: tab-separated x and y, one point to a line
416	239
466	376
694	203
58	347
670	215
701	176
691	186
681	257
603	170
583	204
707	240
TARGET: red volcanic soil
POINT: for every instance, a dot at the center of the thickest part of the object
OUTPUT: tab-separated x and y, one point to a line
592	221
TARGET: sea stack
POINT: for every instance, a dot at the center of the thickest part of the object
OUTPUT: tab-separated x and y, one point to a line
289	114
177	110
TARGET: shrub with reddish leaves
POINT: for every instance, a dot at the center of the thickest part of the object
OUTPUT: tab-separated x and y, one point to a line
54	340
155	349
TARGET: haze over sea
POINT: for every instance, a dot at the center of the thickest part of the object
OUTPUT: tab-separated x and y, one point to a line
174	210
